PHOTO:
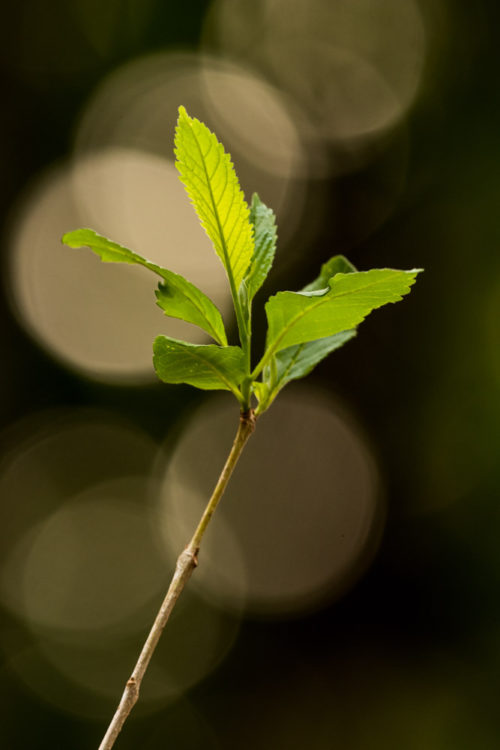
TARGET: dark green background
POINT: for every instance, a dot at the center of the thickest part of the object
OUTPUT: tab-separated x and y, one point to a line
409	657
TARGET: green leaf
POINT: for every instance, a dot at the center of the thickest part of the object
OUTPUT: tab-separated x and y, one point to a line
298	361
107	250
208	367
176	296
208	175
266	233
298	317
337	264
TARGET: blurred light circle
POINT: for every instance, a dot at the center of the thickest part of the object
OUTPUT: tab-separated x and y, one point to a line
254	116
50	458
350	99
139	196
54	454
136	106
301	515
100	318
88	682
196	639
354	66
92	564
181	507
89	580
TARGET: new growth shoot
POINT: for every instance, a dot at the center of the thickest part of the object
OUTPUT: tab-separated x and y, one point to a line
303	326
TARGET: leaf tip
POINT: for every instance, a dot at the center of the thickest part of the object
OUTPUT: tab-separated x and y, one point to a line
73	238
413	273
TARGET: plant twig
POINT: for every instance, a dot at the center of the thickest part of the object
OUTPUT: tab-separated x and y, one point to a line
186	563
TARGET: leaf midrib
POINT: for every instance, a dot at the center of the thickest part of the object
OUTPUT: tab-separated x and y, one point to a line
215	210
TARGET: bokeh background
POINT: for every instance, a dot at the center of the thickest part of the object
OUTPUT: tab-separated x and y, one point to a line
349	590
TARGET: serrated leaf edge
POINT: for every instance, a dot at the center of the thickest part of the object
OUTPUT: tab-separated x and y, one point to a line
274	346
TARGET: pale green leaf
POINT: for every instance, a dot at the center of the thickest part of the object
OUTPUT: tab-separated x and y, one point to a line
208	175
176	296
208	367
265	233
298	317
337	264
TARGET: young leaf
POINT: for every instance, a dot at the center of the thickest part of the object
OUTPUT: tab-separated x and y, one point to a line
176	296
208	175
298	317
208	366
265	233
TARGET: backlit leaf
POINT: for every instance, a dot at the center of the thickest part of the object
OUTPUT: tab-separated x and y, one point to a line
176	296
208	175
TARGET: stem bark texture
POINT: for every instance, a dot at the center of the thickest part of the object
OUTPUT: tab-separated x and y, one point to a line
186	563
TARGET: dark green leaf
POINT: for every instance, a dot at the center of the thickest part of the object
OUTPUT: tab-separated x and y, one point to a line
208	367
265	234
298	361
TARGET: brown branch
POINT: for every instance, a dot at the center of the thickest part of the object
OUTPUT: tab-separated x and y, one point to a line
186	563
